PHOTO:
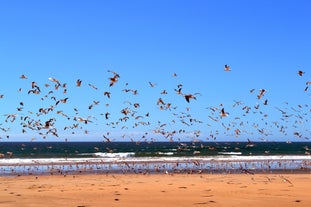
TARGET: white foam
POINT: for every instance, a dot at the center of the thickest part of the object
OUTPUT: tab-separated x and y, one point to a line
166	153
229	153
114	155
127	157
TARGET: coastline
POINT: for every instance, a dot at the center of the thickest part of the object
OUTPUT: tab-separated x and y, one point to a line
157	165
92	190
223	180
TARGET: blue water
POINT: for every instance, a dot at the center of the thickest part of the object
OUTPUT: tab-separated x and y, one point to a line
28	158
153	149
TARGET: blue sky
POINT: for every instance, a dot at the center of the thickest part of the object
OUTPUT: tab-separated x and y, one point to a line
265	43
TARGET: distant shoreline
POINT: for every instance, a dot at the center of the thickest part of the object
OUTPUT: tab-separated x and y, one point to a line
184	165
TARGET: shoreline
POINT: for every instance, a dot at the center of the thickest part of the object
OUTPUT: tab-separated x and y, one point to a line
195	173
92	190
197	165
59	172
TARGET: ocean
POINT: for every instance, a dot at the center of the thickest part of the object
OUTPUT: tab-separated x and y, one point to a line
31	150
21	158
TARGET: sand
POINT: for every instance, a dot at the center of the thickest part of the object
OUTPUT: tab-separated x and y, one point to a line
157	190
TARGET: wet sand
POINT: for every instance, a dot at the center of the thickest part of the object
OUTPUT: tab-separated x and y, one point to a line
157	190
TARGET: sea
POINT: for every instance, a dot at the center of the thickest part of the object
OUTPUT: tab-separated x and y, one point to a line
37	158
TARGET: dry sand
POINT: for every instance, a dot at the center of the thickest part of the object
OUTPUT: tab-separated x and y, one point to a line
157	190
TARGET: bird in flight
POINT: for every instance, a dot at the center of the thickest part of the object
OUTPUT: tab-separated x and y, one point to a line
55	81
223	113
300	72
114	78
23	76
227	68
261	93
78	83
189	96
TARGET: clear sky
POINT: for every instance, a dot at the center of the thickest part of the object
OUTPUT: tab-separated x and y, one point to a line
264	42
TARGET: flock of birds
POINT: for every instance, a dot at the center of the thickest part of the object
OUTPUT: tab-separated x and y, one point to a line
44	121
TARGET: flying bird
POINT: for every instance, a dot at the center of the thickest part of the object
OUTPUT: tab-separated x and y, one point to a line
23	76
107	93
152	84
55	81
261	93
223	113
189	96
300	72
227	68
93	86
78	83
114	78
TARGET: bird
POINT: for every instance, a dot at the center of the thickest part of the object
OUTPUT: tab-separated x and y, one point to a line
300	72
227	68
265	102
152	85
78	83
64	100
114	78
107	93
188	97
23	76
178	91
35	86
55	81
107	115
223	113
261	93
107	139
93	86
48	123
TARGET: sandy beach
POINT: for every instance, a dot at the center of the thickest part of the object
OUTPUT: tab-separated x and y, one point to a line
157	190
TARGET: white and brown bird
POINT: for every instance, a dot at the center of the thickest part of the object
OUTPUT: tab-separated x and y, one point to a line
54	80
261	93
223	113
114	78
227	68
189	96
23	76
